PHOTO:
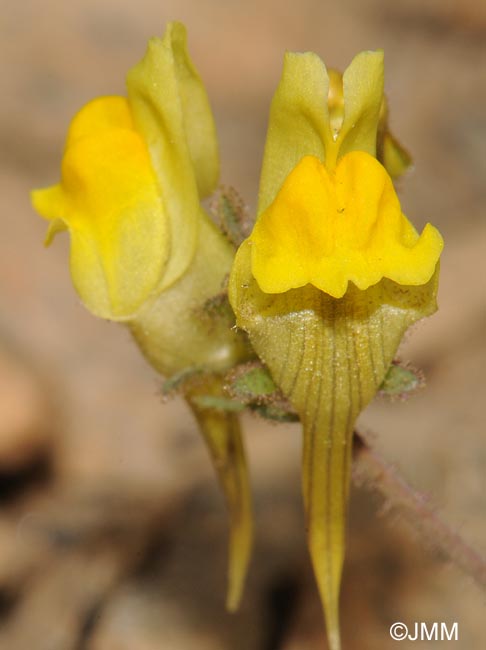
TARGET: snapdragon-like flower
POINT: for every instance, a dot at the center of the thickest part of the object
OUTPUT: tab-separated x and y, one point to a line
330	278
133	172
144	252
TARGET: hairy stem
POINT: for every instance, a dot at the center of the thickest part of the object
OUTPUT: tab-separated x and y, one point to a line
371	469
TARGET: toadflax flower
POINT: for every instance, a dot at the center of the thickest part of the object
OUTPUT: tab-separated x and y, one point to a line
143	251
133	171
329	280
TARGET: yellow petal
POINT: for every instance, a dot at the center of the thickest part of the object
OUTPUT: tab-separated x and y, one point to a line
171	110
363	96
110	201
298	124
104	114
329	229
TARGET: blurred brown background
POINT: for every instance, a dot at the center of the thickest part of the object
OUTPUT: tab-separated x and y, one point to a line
112	531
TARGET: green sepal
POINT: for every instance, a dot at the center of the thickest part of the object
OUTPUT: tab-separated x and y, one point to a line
400	381
252	385
251	382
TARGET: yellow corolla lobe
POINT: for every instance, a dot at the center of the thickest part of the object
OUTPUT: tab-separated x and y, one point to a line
110	201
328	228
100	115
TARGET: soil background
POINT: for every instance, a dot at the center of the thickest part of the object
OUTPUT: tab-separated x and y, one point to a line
112	530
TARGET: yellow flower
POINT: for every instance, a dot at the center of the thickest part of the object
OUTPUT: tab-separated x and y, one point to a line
330	278
133	172
144	252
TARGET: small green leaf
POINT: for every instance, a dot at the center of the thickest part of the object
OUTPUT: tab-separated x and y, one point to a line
251	382
252	385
